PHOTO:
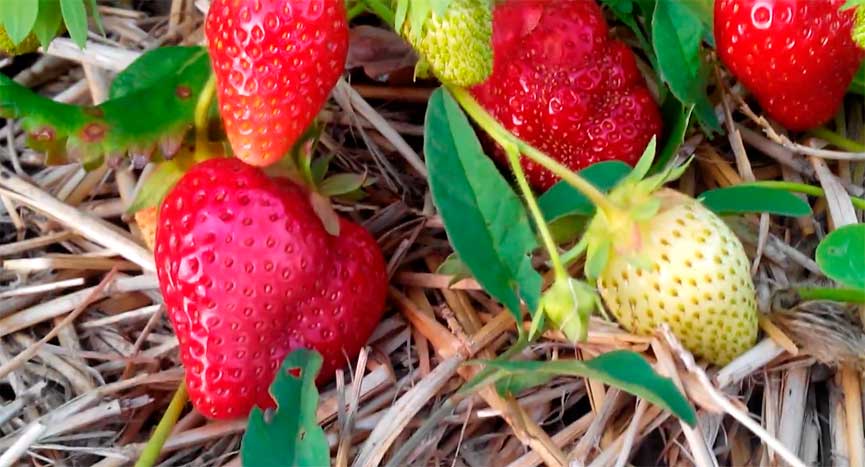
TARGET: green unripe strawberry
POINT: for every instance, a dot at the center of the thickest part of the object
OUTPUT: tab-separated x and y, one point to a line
456	44
29	44
679	264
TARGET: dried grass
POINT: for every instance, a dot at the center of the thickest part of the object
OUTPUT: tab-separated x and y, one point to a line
88	361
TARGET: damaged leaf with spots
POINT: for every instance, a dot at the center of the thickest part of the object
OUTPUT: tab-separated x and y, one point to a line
155	107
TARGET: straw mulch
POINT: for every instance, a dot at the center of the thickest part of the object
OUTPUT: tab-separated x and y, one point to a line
88	361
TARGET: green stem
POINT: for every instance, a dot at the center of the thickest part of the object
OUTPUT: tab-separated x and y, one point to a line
202	108
381	10
152	450
576	251
803	188
837	295
358	9
503	136
837	140
535	210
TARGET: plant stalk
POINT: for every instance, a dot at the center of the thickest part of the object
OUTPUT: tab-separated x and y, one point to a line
835	295
202	107
804	188
837	140
150	453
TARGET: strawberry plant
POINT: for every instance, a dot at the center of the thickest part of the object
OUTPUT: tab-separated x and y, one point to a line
553	147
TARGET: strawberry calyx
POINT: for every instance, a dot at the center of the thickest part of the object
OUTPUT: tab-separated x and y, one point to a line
567	304
858	31
620	231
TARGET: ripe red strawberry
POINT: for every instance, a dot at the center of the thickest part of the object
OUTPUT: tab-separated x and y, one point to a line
248	274
796	56
561	84
275	62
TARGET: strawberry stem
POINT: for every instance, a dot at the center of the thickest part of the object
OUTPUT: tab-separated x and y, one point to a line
381	10
535	210
836	295
804	188
202	107
837	140
505	138
150	453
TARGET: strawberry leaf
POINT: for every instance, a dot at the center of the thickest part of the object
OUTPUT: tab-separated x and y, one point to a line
483	217
18	18
841	256
676	118
744	198
292	435
623	369
563	200
677	36
160	113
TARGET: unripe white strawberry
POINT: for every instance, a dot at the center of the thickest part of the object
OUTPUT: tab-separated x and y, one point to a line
677	263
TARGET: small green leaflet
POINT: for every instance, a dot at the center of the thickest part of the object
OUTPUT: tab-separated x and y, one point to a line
624	369
292	436
483	217
677	36
841	256
744	198
75	17
18	18
563	200
159	183
48	22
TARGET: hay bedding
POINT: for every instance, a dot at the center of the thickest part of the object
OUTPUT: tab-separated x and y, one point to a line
88	361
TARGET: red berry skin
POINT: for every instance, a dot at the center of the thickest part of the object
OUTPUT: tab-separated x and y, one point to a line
562	85
248	274
795	56
275	63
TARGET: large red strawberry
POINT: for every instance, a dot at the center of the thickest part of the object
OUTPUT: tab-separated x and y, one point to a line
796	56
276	62
561	84
249	273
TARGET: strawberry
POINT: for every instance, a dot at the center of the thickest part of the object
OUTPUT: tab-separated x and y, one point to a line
249	273
797	57
660	256
275	64
29	44
562	85
455	45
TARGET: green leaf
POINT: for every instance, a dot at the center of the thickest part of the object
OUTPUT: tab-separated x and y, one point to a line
341	184
858	84
677	35
75	18
483	217
93	8
841	256
455	267
677	117
18	18
563	200
158	184
292	435
511	385
152	69
623	369
744	198
48	22
161	112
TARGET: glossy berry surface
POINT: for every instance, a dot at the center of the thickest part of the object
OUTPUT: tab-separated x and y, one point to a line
275	62
796	56
248	274
561	84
